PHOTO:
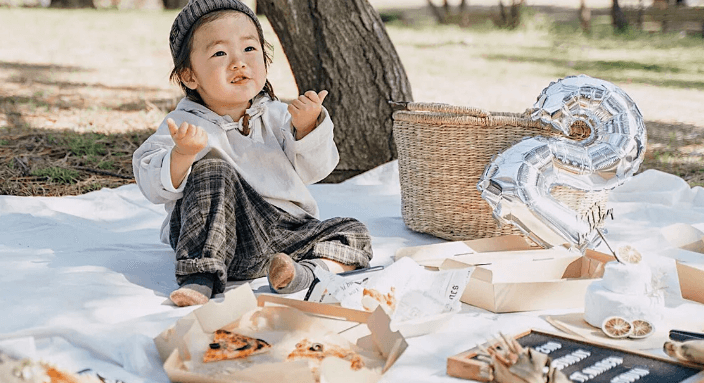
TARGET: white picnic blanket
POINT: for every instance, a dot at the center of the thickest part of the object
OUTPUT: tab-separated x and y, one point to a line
84	279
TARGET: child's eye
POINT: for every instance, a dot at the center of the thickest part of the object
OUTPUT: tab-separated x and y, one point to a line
219	53
250	49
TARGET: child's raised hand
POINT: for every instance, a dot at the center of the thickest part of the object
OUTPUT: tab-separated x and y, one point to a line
305	111
188	138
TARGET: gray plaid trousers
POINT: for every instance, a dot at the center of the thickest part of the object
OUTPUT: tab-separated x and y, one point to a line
222	226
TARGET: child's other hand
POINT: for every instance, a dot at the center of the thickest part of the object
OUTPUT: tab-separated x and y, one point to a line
305	111
189	139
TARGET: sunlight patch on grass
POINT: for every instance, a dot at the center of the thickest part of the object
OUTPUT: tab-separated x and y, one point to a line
663	60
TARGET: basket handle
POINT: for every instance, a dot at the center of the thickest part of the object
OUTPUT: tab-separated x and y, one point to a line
439	108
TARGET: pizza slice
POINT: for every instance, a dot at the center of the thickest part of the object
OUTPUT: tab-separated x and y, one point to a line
229	345
315	352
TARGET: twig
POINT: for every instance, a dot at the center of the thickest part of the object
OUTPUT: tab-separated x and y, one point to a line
22	165
607	244
103	172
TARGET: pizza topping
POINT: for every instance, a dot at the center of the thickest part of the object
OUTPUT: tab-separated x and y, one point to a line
228	345
316	347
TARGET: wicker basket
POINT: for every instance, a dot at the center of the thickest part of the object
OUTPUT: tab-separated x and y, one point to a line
442	152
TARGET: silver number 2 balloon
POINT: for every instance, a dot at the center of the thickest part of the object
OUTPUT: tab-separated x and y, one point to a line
517	182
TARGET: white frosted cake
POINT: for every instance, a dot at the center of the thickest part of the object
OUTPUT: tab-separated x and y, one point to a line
625	290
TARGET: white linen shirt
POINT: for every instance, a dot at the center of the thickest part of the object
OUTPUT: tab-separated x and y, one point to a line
270	159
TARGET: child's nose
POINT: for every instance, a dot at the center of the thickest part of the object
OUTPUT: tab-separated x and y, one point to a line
237	62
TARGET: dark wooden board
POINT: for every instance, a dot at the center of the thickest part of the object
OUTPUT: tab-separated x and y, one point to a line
599	362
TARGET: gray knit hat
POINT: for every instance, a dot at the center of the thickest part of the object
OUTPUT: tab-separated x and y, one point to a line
197	8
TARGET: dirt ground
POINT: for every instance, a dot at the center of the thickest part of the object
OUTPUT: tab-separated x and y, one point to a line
82	89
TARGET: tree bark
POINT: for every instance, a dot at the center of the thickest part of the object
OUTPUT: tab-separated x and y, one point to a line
72	4
342	46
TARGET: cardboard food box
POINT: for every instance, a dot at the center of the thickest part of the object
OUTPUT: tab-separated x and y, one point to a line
524	278
368	333
690	273
691	278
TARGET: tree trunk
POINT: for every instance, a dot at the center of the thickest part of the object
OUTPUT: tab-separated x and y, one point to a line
72	4
585	17
639	20
342	46
619	19
436	12
502	14
516	14
512	18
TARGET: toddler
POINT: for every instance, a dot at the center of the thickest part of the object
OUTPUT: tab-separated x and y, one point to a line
231	165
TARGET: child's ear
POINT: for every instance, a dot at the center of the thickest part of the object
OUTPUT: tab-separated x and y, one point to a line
188	79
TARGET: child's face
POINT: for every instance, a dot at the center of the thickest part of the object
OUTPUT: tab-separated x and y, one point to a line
227	64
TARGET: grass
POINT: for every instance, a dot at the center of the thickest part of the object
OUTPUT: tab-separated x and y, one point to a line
57	175
90	145
48	162
85	107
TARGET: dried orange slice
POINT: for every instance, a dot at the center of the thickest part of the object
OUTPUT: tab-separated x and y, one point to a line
628	254
616	327
641	329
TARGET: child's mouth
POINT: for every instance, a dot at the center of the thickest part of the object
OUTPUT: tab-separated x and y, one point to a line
237	80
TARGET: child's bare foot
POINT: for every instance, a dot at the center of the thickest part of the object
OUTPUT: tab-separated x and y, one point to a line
287	276
195	290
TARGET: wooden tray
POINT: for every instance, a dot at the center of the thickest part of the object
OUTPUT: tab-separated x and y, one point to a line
579	358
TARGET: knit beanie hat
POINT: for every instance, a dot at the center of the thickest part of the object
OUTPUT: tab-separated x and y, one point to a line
197	8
